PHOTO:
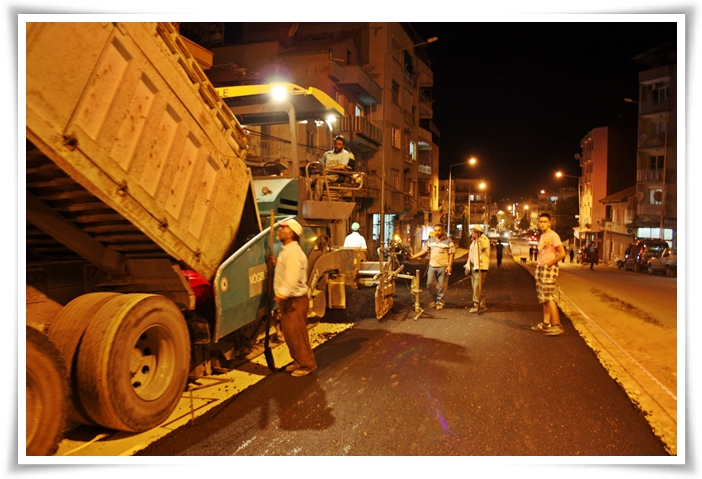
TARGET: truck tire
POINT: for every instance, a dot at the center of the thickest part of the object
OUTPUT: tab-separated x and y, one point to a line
66	332
47	395
133	362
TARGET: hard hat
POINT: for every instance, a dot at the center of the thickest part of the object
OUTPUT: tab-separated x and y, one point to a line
355	226
293	225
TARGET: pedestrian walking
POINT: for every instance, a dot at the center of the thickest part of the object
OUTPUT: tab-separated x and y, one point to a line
498	251
355	239
594	255
550	253
441	252
572	254
291	294
477	267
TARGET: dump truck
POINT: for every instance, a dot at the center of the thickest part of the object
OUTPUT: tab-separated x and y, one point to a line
147	230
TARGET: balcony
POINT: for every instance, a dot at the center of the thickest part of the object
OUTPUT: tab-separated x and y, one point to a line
649	175
426	169
353	79
646	141
351	126
648	108
426	104
424	203
649	210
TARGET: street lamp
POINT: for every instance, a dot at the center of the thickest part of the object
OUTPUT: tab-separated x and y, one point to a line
387	93
482	187
580	213
471	161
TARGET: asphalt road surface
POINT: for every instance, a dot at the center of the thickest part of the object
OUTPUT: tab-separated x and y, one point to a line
450	383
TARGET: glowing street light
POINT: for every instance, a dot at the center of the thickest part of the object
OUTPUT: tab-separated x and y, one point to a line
471	161
559	174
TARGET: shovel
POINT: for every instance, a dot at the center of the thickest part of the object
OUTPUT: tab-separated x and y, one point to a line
267	352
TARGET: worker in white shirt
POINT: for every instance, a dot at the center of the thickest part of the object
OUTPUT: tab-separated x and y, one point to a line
355	239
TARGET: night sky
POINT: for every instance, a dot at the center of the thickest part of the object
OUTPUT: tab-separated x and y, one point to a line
521	96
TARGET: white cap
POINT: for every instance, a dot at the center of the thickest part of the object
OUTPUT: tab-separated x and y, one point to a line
355	226
293	225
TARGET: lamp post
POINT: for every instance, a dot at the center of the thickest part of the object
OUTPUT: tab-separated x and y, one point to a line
471	161
387	92
482	187
580	213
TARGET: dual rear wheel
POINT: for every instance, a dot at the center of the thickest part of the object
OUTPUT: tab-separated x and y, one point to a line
127	357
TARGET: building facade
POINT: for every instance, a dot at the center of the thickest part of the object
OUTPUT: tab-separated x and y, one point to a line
619	212
656	169
380	74
607	161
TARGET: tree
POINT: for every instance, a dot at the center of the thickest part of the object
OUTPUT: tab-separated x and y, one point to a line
525	222
564	216
493	221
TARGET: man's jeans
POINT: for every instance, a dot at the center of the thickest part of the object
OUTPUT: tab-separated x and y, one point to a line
437	274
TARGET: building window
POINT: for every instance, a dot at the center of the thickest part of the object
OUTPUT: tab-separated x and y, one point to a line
396	137
358	109
413	150
656	162
337	96
395	178
396	48
395	93
655	196
660	96
658	129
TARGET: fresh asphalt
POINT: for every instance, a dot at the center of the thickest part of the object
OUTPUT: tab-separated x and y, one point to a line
448	383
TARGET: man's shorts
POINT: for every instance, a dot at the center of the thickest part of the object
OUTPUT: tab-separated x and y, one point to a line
546	283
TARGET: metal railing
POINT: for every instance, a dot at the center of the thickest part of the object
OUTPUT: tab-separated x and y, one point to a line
363	127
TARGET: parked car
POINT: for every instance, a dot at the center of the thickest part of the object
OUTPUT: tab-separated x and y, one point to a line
641	252
666	263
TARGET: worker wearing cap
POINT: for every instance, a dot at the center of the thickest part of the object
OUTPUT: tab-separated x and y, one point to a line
355	239
477	266
441	253
291	294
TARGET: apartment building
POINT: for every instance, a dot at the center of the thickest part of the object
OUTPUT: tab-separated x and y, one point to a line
608	163
656	194
381	75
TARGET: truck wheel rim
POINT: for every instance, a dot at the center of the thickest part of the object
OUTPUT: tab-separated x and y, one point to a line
151	362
